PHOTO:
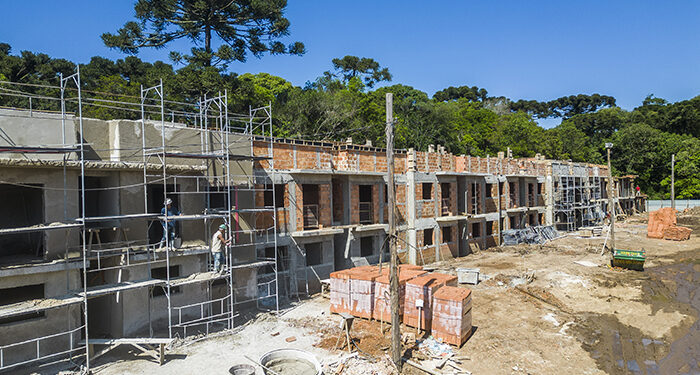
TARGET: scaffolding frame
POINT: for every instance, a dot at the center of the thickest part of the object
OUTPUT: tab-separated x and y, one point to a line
211	119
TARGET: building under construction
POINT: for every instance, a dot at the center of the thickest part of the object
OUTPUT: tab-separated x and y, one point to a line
90	259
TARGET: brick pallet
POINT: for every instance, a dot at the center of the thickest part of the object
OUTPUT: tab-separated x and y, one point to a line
362	292
340	291
382	303
452	315
422	288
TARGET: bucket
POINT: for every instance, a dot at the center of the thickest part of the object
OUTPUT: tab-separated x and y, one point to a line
468	275
290	362
242	370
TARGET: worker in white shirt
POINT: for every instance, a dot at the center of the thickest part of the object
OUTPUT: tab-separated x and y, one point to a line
218	242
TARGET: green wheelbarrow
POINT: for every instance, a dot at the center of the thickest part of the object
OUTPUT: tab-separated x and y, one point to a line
630	259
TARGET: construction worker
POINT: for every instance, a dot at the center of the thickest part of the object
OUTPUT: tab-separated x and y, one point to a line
218	242
170	226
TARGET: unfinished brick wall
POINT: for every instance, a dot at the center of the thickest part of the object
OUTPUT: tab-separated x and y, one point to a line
426	254
325	219
513	188
451	208
449	247
354	204
264	220
492	201
425	208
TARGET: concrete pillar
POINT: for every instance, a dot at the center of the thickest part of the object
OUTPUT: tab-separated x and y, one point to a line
549	196
411	206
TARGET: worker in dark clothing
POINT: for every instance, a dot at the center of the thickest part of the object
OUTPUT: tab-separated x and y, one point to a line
169	227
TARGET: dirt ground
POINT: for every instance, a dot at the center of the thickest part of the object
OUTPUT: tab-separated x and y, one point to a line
538	312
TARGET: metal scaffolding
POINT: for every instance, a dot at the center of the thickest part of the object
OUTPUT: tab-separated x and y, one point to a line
205	166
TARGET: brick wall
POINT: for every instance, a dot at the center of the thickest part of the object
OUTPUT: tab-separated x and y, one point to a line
424	208
354	204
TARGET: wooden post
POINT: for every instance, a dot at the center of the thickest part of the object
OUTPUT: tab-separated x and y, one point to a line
611	200
673	177
394	261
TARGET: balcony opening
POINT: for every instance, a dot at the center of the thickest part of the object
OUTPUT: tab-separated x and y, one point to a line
475	198
445	202
513	195
310	199
161	274
22	207
531	195
476	230
446	234
314	254
427	191
282	259
366	214
428	237
9	296
366	246
278	201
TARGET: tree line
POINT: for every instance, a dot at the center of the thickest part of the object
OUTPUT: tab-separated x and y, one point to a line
345	101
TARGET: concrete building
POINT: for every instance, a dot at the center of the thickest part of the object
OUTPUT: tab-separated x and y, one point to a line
82	249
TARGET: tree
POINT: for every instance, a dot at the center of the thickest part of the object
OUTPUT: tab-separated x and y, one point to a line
472	94
364	68
687	183
565	107
238	27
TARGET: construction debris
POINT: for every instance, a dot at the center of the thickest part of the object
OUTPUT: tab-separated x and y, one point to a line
530	235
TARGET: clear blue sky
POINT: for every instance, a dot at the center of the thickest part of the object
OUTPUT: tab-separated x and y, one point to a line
520	49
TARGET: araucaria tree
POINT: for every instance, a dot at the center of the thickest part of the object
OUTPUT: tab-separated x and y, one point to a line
222	31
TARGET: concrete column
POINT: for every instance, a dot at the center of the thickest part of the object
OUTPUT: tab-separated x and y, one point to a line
549	196
292	186
411	206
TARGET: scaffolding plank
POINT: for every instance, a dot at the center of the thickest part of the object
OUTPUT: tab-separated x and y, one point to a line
40	227
198	278
38	149
94	219
37	305
106	289
192	217
256	264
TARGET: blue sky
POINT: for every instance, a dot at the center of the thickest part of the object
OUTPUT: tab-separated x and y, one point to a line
520	49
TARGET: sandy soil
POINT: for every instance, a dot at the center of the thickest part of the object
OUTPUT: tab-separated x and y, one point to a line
538	312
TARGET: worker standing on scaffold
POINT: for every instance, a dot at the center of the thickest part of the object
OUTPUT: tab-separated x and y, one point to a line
217	247
169	227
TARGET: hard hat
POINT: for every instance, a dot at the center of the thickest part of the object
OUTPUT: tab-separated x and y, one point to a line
222	226
168	201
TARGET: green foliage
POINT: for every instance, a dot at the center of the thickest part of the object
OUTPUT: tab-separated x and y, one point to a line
335	106
472	94
239	27
565	107
364	68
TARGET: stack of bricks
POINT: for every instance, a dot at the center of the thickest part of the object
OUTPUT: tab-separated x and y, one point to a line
422	288
452	315
340	291
677	233
362	290
382	292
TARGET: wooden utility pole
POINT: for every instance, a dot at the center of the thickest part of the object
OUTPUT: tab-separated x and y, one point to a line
394	264
673	181
611	200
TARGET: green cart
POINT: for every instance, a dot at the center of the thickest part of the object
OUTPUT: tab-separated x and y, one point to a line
630	259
